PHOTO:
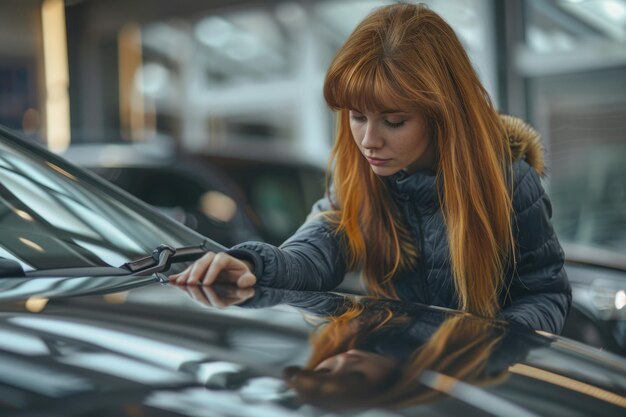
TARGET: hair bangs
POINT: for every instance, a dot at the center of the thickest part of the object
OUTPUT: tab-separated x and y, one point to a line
366	86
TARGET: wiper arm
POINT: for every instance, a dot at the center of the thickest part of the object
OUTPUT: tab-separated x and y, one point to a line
163	257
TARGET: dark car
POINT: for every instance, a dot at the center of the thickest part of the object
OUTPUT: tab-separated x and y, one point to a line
279	192
598	316
231	198
89	325
200	196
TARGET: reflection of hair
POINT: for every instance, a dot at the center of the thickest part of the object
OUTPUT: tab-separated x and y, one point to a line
459	348
409	54
346	331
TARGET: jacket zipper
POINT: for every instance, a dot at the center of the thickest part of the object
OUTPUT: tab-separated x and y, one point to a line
419	243
421	265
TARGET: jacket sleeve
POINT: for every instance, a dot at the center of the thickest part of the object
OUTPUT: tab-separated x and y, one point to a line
538	294
313	259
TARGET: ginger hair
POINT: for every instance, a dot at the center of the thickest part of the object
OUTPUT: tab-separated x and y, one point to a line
409	53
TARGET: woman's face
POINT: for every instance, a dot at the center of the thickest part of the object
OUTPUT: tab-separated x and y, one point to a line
393	139
365	367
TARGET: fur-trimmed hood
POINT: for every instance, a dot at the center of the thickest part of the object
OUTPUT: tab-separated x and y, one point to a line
525	142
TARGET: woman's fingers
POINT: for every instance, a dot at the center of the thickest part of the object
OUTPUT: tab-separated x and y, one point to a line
194	272
214	267
179	276
221	263
199	268
247	280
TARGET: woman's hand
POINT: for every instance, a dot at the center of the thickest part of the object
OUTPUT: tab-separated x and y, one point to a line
216	267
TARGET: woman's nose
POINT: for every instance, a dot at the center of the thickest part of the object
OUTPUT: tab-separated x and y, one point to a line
371	138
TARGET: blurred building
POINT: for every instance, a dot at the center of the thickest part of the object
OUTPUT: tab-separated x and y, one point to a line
243	78
22	95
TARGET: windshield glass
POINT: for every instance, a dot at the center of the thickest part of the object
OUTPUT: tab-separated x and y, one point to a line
53	215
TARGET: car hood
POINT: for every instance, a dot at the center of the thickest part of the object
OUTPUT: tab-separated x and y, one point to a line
161	349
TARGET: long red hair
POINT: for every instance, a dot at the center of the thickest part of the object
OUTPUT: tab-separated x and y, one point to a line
409	53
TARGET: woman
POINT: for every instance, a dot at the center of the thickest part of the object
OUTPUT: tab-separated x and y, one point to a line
435	197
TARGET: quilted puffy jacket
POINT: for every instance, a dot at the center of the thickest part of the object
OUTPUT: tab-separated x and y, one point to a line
539	295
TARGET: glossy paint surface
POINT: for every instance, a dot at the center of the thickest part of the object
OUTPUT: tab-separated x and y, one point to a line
179	355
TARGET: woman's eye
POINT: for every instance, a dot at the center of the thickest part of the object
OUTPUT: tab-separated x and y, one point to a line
357	118
394	125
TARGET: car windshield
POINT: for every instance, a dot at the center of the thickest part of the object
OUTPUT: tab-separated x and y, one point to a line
54	215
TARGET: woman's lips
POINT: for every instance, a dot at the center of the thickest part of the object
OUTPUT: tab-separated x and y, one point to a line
376	161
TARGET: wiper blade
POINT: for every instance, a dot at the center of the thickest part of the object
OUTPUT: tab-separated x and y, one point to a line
163	257
161	260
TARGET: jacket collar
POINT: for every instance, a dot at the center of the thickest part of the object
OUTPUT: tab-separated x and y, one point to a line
420	187
525	142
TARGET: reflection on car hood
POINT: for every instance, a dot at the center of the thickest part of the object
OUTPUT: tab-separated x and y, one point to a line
54	215
23	288
159	350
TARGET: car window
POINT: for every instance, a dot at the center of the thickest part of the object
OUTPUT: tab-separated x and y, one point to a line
279	195
194	195
54	215
590	200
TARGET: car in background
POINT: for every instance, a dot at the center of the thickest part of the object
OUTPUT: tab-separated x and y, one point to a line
89	325
200	196
279	192
232	198
598	316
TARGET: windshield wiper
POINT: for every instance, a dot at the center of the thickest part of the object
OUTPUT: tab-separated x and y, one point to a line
163	256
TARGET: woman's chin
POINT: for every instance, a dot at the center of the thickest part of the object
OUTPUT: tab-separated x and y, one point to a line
384	171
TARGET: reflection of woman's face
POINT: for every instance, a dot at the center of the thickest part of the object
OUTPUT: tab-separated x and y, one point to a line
368	366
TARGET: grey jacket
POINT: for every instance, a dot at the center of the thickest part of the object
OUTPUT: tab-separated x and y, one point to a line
539	295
